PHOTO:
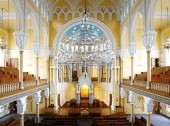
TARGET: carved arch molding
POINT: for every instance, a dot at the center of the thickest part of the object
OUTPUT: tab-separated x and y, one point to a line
94	9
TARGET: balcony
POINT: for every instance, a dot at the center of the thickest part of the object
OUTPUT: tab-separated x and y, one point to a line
11	92
159	91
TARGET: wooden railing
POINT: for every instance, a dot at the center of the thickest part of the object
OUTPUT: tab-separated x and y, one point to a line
160	87
5	88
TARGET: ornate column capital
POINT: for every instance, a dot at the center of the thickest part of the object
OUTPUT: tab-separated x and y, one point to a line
37	97
132	48
21	39
148	39
47	54
37	48
148	105
47	93
122	53
21	105
122	93
131	97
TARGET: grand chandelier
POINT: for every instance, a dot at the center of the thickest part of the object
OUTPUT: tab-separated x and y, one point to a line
85	45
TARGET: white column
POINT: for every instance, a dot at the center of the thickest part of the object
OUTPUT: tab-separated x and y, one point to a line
131	99
51	74
21	38
132	51
148	108
21	107
98	73
37	49
61	73
70	73
91	94
78	93
37	99
122	54
57	74
47	94
113	82
46	56
106	74
148	38
21	41
54	79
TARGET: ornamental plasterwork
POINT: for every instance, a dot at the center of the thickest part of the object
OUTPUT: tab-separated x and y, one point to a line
19	95
95	7
95	3
73	3
103	11
148	94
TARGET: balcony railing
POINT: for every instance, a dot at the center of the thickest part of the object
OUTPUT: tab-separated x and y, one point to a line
161	87
5	88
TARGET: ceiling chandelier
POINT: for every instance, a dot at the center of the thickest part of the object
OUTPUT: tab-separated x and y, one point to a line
85	46
166	44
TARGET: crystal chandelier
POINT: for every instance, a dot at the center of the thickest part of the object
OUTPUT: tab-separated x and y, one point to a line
85	45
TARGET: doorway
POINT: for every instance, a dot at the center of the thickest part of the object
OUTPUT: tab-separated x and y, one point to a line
84	92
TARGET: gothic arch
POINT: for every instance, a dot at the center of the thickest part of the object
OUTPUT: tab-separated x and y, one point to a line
124	36
18	10
134	26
